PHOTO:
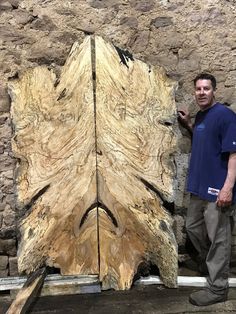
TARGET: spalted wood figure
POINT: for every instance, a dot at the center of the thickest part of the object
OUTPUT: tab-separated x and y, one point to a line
95	149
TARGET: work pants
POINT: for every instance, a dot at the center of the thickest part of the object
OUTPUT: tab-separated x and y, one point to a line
209	229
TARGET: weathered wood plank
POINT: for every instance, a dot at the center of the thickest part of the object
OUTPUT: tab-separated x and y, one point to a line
28	293
11	283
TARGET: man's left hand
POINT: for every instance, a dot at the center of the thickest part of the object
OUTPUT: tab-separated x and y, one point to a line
224	198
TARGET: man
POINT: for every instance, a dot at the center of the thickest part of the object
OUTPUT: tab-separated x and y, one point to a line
211	182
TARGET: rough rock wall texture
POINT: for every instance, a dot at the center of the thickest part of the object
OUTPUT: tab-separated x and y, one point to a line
185	37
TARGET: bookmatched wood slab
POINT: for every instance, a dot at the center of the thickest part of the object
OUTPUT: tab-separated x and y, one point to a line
96	169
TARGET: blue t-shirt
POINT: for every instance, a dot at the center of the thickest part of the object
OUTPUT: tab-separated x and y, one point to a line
214	137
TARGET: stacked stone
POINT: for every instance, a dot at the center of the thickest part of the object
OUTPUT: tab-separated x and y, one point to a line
185	37
8	263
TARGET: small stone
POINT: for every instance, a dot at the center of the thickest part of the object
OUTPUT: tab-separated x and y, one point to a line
8	189
8	174
3	120
129	21
143	5
10	199
9	218
8	247
3	273
8	233
139	41
13	266
14	3
2	147
98	4
5	6
22	17
3	262
162	21
43	24
231	79
4	100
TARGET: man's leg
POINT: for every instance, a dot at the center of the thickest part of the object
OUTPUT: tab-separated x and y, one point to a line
218	226
218	259
196	228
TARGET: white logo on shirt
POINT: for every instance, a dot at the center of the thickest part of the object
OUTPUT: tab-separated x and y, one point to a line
213	191
234	143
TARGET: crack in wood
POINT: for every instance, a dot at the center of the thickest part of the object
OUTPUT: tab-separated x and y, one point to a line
104	207
124	55
169	206
27	208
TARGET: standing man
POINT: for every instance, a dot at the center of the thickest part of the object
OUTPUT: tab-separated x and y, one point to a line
211	182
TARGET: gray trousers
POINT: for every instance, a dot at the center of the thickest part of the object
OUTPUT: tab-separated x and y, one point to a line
209	229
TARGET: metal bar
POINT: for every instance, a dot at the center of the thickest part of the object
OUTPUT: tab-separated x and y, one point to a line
181	280
13	283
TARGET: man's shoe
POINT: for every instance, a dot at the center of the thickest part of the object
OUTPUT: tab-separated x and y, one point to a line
206	297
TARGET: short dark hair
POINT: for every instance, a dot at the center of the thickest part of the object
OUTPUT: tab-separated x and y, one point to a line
205	76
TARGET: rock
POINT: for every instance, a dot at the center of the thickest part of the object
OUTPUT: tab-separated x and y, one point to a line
5	6
13	266
98	4
8	174
4	100
8	217
143	5
231	79
178	228
44	24
8	233
139	41
3	266
8	246
14	3
3	120
3	262
129	21
22	17
2	147
67	38
162	21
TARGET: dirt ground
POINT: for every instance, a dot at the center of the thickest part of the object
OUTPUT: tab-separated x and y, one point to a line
140	299
152	299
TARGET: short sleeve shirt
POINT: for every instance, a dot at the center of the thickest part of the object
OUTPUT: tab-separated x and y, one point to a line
214	138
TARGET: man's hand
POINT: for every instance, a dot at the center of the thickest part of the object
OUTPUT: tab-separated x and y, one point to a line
225	195
184	119
224	198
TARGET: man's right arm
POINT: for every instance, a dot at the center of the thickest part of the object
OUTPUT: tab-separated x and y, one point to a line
185	120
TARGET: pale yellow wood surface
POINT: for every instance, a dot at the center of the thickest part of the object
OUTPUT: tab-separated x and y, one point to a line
103	162
55	142
136	137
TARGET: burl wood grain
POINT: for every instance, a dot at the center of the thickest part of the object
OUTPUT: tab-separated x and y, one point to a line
95	149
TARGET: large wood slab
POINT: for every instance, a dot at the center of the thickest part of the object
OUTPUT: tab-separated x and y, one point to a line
95	149
56	181
136	137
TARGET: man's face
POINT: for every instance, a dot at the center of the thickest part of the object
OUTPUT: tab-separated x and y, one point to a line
204	94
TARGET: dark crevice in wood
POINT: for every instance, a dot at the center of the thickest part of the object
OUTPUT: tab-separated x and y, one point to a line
37	196
124	55
105	208
169	206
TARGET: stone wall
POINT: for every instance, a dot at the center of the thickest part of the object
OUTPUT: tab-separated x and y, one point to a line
185	37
